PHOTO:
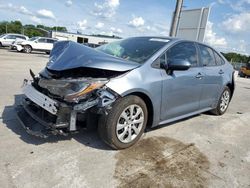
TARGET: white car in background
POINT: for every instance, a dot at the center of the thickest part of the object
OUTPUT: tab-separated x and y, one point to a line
7	39
14	44
42	44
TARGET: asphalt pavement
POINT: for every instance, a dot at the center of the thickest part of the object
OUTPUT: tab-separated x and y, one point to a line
201	151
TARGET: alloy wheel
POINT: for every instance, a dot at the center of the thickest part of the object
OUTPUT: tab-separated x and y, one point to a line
225	99
130	123
27	49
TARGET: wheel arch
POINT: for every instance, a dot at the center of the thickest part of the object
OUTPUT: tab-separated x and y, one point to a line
149	105
231	85
28	45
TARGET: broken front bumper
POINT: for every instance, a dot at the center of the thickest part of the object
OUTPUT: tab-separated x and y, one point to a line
42	116
31	123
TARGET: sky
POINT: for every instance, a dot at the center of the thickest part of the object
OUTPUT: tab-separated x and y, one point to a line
227	29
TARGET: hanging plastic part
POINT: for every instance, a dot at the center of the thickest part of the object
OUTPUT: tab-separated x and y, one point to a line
106	98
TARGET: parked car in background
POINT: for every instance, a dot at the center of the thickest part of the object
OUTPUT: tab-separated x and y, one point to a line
42	44
124	87
245	70
14	44
7	39
91	45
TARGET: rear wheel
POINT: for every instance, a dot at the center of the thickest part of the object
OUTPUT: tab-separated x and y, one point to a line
223	102
242	75
27	49
125	122
1	44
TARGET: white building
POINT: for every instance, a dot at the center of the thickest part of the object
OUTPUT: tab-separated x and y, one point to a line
80	38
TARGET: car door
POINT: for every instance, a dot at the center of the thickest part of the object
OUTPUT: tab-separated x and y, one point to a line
213	80
50	43
181	90
40	44
8	40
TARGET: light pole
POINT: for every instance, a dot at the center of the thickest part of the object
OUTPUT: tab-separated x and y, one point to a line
176	18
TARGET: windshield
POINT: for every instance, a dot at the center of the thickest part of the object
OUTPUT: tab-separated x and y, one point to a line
33	38
137	49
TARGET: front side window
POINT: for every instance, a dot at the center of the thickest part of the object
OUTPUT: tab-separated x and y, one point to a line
33	39
184	51
42	40
207	56
50	41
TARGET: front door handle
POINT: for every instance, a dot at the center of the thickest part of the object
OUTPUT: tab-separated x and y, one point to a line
221	72
199	76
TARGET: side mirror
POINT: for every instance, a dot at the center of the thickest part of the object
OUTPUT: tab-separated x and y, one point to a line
176	64
179	64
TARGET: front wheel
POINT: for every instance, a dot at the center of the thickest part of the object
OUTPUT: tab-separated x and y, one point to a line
27	49
125	122
223	102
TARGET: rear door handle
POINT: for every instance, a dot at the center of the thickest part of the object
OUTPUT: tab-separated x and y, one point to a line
221	72
199	76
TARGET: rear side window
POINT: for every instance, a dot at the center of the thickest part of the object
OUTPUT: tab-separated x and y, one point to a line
20	37
207	56
218	59
185	51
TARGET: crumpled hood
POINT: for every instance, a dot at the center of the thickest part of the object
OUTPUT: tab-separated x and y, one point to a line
70	55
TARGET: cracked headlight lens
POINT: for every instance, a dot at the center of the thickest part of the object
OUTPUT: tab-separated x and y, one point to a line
74	97
71	90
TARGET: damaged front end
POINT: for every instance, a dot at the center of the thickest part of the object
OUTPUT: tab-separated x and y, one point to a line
60	106
63	100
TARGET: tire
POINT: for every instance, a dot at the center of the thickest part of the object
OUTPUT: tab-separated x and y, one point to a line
223	102
242	75
1	45
118	137
27	49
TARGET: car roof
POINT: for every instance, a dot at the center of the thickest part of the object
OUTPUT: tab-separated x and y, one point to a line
16	34
47	38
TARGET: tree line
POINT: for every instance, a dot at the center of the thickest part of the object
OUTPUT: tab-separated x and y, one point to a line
28	29
236	58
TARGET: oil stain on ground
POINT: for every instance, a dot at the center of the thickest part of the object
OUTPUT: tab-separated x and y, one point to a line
161	162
